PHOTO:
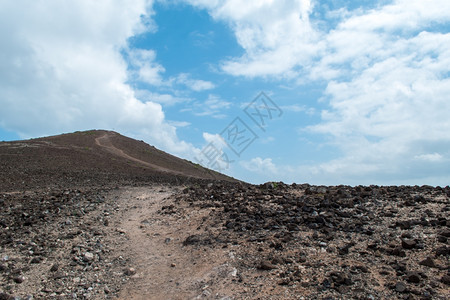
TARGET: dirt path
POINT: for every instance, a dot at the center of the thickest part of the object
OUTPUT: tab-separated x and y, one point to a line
105	142
153	242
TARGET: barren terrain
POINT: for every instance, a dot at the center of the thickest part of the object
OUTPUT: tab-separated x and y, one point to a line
94	215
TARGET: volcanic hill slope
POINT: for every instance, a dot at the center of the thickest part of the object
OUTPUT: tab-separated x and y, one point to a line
91	157
95	215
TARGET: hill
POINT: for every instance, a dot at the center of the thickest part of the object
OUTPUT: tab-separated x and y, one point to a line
91	158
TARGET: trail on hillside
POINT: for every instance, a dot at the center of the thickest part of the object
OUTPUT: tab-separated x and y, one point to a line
105	142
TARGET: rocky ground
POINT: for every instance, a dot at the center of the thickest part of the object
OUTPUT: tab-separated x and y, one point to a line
226	241
53	245
310	242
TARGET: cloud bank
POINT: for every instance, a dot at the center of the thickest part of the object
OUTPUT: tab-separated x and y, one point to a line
62	68
387	72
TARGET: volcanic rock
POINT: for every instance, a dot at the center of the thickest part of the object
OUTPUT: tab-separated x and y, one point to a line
413	277
429	262
408	244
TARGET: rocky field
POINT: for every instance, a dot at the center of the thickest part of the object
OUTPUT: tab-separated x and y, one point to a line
53	245
273	241
312	242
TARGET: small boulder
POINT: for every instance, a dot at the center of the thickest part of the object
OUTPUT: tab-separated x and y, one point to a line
54	268
413	277
408	244
19	279
428	262
446	279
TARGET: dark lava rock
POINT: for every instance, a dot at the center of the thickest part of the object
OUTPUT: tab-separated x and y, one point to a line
428	262
277	261
442	251
19	279
285	281
372	246
339	278
442	239
197	239
35	260
326	283
4	296
445	233
397	252
344	250
446	279
403	224
408	244
413	277
54	268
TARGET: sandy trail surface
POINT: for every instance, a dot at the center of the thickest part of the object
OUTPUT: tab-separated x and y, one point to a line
152	237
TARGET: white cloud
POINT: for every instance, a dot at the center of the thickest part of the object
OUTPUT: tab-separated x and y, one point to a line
389	94
164	99
261	166
213	154
146	69
294	108
431	157
406	15
366	37
61	70
387	70
194	84
276	35
215	139
179	123
267	140
201	85
298	108
214	106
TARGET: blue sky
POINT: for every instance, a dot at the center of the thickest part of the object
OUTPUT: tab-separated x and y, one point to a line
359	89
